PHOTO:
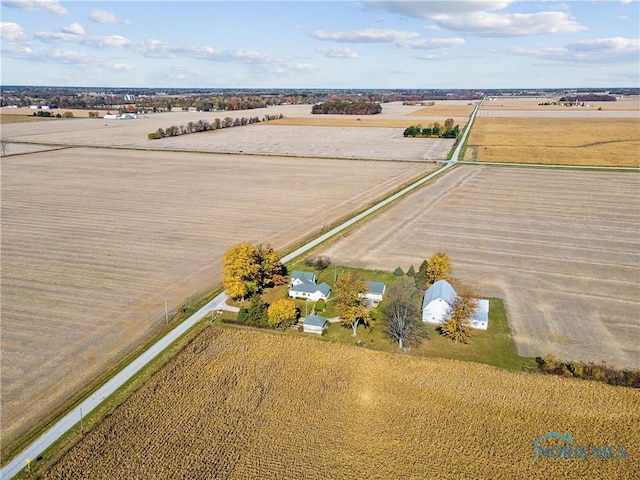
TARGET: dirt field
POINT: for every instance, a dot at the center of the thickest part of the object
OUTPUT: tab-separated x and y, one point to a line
559	141
534	104
92	240
264	138
561	248
237	404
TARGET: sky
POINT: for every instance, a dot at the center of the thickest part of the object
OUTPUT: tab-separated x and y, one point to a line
470	44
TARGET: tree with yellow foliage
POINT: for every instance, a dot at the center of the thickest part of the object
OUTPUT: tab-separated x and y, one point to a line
457	326
438	267
248	269
282	313
350	302
241	270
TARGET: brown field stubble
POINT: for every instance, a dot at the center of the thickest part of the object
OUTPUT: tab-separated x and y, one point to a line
238	404
93	239
560	247
559	141
362	121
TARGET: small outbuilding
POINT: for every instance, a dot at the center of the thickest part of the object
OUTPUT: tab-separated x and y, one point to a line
314	324
375	291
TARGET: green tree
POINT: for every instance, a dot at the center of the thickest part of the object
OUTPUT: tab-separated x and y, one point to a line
241	270
257	314
411	272
351	305
457	326
401	313
398	272
282	313
420	277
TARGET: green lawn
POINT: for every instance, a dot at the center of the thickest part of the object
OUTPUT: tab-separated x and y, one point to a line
493	346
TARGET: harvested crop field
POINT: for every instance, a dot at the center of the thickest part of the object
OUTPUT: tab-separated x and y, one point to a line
342	121
302	139
561	248
558	141
92	240
237	404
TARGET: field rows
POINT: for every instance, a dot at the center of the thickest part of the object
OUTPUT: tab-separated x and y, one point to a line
561	248
238	404
92	240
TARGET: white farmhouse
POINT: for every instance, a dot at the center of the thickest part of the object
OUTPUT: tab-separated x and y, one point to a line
440	296
303	285
310	291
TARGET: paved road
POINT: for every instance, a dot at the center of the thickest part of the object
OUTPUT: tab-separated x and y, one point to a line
74	416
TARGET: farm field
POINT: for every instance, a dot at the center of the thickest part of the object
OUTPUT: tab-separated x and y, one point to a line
239	404
559	141
93	239
561	248
299	134
505	104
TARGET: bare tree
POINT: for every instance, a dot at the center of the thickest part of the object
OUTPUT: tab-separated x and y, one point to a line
401	313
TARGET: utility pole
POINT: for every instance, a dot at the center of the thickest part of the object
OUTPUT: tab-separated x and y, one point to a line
166	310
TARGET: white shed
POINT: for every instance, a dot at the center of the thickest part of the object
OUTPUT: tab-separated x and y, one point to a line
314	324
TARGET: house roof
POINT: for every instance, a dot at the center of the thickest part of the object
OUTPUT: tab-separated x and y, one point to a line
482	312
376	288
441	289
304	277
325	289
315	321
312	288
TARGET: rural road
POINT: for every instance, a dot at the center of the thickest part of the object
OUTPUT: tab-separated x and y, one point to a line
74	417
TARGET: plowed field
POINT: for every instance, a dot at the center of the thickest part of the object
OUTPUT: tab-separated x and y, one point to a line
93	239
562	248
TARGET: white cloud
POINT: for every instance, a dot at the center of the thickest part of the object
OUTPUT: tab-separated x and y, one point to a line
370	35
102	16
434	43
122	67
401	39
426	10
95	41
597	51
73	29
338	52
50	6
12	32
509	25
481	17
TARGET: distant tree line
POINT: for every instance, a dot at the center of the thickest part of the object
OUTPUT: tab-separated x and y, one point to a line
347	108
590	371
204	126
434	131
589	97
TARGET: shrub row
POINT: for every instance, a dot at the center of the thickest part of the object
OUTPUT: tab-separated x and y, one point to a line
590	371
